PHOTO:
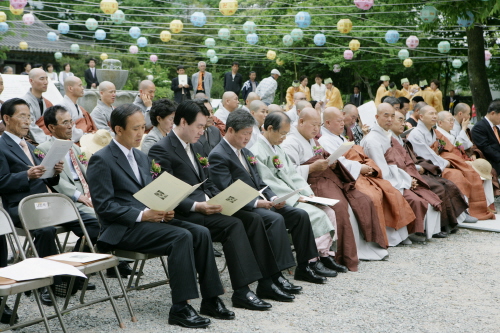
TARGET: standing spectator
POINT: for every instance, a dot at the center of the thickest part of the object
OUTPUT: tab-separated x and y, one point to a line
52	75
383	84
435	87
267	87
202	80
333	96
290	93
181	91
318	90
91	75
233	80
27	68
357	98
451	101
250	85
304	88
65	73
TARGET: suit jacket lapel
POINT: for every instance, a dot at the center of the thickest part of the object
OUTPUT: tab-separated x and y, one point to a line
144	168
122	161
181	152
17	150
235	158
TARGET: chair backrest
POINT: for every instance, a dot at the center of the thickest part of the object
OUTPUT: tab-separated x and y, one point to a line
7	227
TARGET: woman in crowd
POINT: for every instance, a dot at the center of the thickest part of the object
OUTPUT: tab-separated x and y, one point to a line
65	73
52	75
162	117
304	88
27	68
318	90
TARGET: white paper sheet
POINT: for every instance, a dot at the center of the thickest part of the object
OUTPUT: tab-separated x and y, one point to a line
37	268
405	133
286	196
183	79
341	150
367	113
18	86
55	154
234	197
81	257
321	200
261	193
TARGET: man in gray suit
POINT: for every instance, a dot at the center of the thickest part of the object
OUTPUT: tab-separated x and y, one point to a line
203	85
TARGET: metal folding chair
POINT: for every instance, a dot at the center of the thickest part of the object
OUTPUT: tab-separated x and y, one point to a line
46	210
11	287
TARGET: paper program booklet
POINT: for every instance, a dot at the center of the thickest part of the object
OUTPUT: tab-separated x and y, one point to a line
55	154
321	200
286	196
339	152
234	197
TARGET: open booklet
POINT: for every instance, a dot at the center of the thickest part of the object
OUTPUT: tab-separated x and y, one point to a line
38	268
165	193
286	196
55	154
339	152
320	200
234	197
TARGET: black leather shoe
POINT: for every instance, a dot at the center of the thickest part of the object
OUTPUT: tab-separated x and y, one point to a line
441	234
309	275
287	286
45	297
330	263
80	281
250	302
187	317
275	293
217	253
321	270
7	315
215	308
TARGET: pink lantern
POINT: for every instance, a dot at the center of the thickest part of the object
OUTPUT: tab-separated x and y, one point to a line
348	54
487	55
363	4
133	49
28	19
412	42
18	4
153	58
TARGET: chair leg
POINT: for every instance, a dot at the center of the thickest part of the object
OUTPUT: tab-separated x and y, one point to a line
68	294
42	311
84	289
138	278
131	277
14	309
112	300
66	241
56	307
125	295
15	252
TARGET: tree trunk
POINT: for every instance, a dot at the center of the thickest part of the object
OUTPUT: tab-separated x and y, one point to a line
478	79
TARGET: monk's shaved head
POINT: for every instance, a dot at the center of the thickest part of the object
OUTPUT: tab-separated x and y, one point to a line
301	105
252	97
36	72
349	108
309	123
71	81
106	85
426	109
146	84
309	113
228	95
444	115
333	120
256	105
332	113
460	107
274	107
383	108
385	115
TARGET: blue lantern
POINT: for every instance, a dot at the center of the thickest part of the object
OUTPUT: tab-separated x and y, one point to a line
391	36
319	39
403	54
198	19
224	34
63	28
52	36
252	39
466	21
134	32
100	34
249	27
303	19
287	40
297	34
210	42
3	27
142	42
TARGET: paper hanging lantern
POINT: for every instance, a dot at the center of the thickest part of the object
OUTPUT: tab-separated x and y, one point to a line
303	19
142	42
279	62
165	36
319	39
104	56
487	63
23	45
354	45
210	42
224	34
287	40
109	6
134	32
91	24
4	27
133	49
198	19
297	34
63	28
3	17
391	36
249	27
444	47
74	48
100	34
428	14
228	7
18	4
412	42
28	19
487	55
336	68
214	59
408	63
58	55
457	63
403	54
344	26
16	11
210	53
176	26
348	54
252	39
118	17
363	4
52	36
271	55
467	20
153	58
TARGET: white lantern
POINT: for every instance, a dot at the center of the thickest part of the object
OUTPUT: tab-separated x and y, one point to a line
210	42
210	53
457	63
297	34
91	24
75	48
249	27
28	19
348	54
487	55
118	17
403	54
133	49
224	34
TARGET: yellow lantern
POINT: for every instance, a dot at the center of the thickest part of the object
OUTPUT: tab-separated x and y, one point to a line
408	62
176	26
165	36
344	26
3	17
228	7
109	6
23	45
280	62
14	11
354	45
271	55
104	56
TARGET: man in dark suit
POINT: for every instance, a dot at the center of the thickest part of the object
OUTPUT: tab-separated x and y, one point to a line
485	135
91	75
230	161
115	174
356	98
182	92
233	81
451	101
211	137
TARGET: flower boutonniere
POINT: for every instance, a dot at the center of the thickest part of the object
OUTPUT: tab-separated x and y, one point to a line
277	163
318	150
459	145
252	160
38	153
155	169
441	145
203	161
346	137
83	159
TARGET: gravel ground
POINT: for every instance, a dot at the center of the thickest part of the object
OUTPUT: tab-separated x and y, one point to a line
447	285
